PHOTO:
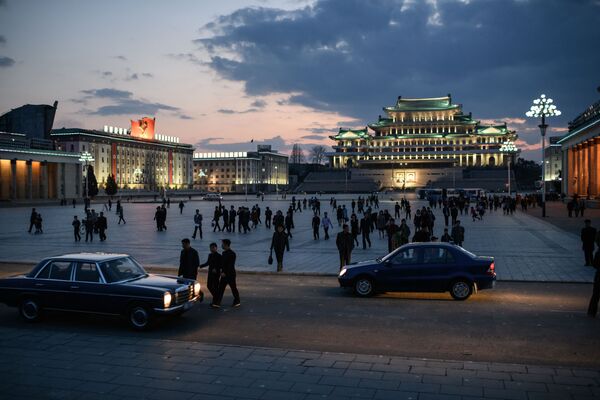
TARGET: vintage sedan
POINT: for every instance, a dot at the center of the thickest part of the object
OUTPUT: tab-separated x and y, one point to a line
422	267
100	283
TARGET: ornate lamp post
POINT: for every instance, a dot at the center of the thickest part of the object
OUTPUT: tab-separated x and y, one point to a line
87	158
543	108
509	149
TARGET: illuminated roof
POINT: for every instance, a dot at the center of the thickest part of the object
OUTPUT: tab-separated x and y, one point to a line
492	129
350	134
423	104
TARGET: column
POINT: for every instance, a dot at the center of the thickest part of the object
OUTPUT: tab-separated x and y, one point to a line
597	166
28	180
577	175
43	180
13	179
566	171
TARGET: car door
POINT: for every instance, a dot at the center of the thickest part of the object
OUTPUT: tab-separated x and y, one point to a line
87	291
401	272
434	271
54	286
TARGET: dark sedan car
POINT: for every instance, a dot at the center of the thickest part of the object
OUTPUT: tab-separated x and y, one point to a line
99	283
422	267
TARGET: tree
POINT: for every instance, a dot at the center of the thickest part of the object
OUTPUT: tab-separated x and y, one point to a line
317	154
297	156
91	183
111	186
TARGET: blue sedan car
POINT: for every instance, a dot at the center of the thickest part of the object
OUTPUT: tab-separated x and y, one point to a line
422	267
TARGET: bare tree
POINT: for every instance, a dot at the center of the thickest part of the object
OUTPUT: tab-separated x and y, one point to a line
317	154
297	156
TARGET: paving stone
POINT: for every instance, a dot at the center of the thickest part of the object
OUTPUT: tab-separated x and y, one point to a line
272	385
281	395
529	377
303	387
395	395
379	384
461	390
504	394
526	386
428	371
339	381
574	380
353	393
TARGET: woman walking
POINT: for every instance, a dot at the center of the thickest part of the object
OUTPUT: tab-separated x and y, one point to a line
279	243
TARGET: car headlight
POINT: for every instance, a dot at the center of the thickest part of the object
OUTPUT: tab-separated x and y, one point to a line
343	271
167	299
196	289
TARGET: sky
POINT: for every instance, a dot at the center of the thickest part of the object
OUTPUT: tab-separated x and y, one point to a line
219	74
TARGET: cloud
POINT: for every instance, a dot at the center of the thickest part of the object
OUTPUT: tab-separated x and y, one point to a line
258	104
355	56
313	137
6	62
120	57
225	111
2	39
188	57
277	143
108	93
135	76
123	103
230	111
183	116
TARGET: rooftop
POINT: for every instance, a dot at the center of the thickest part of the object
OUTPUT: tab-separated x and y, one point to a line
92	257
423	104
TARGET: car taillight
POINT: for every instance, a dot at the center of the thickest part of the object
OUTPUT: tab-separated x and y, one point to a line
492	269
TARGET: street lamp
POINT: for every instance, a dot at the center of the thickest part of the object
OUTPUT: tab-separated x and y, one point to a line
509	149
87	158
543	108
276	182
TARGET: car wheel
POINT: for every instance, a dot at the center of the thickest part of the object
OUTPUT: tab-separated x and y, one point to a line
139	317
30	310
461	289
363	287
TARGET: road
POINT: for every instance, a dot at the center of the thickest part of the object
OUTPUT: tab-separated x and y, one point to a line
533	323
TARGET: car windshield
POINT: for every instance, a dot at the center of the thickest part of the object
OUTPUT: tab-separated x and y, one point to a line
121	269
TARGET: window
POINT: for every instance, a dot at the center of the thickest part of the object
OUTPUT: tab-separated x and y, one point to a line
87	272
60	270
45	272
121	269
404	257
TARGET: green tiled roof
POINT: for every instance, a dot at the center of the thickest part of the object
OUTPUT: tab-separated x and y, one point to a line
350	134
492	129
423	104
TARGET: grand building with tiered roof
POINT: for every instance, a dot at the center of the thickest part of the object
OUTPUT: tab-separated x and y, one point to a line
419	141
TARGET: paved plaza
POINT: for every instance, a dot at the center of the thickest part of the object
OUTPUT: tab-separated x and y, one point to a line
526	248
42	364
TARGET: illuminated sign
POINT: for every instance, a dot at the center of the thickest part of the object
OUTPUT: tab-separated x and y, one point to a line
143	128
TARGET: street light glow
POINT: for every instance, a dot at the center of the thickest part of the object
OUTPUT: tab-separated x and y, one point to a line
508	147
543	107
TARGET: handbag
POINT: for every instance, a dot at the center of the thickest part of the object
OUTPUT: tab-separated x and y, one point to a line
270	260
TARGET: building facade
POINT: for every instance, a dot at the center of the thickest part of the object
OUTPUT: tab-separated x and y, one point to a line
553	159
30	169
419	141
263	170
136	157
581	154
33	120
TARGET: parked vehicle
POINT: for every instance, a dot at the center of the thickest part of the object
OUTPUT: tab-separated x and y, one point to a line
99	283
422	267
213	197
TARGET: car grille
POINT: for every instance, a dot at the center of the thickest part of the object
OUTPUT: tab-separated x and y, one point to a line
181	296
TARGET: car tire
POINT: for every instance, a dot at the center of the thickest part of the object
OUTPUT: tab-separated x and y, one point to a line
30	309
461	289
139	317
364	287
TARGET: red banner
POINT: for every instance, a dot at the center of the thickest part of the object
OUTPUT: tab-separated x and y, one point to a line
143	128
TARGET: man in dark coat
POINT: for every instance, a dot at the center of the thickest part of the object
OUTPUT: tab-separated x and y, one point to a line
593	307
232	215
102	225
268	215
76	225
458	233
32	219
316	223
188	261
228	275
345	244
278	219
214	271
365	230
588	238
280	243
391	229
157	218
89	227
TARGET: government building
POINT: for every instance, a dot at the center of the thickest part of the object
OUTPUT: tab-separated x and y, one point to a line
419	142
137	157
263	170
581	154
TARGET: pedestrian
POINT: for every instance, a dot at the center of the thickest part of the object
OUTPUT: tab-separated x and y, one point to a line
120	212
181	205
326	224
458	233
197	224
588	238
88	222
345	244
109	204
189	261
279	243
232	215
157	218
268	215
38	224
316	223
214	271
216	218
32	219
74	202
289	223
391	229
446	237
163	217
102	225
593	307
354	228
76	226
228	275
446	212
365	230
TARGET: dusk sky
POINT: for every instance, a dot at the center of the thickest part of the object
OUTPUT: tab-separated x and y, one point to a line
220	73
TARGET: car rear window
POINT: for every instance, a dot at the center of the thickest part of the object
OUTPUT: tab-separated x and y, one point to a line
61	270
87	272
